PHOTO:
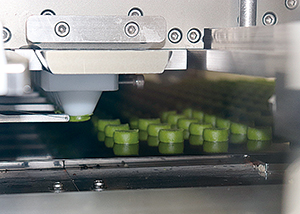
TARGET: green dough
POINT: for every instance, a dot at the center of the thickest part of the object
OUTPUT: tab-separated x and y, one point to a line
258	145
238	128
101	136
170	148
152	141
164	115
184	123
197	128
126	136
80	118
153	129
134	123
109	142
212	119
199	115
196	140
143	135
223	123
144	123
238	138
188	112
215	134
171	135
215	147
186	134
259	133
110	129
126	149
103	123
173	118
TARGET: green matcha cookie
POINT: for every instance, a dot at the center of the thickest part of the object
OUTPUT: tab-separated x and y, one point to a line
171	135
215	134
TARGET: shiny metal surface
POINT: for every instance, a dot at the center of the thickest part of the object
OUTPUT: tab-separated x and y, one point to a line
96	32
247	16
33	118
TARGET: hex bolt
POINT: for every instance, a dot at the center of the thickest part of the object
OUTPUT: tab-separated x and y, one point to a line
135	80
62	29
132	29
269	19
175	35
6	34
58	187
135	12
98	185
48	13
194	35
291	4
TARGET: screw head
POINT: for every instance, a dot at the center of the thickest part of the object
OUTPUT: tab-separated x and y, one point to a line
135	12
58	187
291	4
194	35
98	185
6	34
175	35
269	19
62	29
132	29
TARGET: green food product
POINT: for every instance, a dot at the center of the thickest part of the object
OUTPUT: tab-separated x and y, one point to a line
215	134
212	119
103	123
144	123
223	123
109	142
153	129
173	118
258	145
126	136
101	136
238	128
126	149
170	148
134	123
171	135
188	112
215	147
164	115
184	123
238	138
197	128
259	133
199	115
110	129
143	135
196	140
152	141
186	134
81	118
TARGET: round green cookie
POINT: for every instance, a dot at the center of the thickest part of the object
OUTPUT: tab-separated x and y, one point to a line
197	128
188	112
152	141
143	135
199	115
238	128
144	123
101	136
215	147
184	123
81	118
196	140
126	136
170	148
215	134
164	115
171	135
153	129
126	149
110	129
103	123
134	123
173	118
259	133
109	142
223	123
212	119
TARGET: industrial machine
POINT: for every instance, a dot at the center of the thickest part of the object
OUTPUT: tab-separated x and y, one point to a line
65	65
